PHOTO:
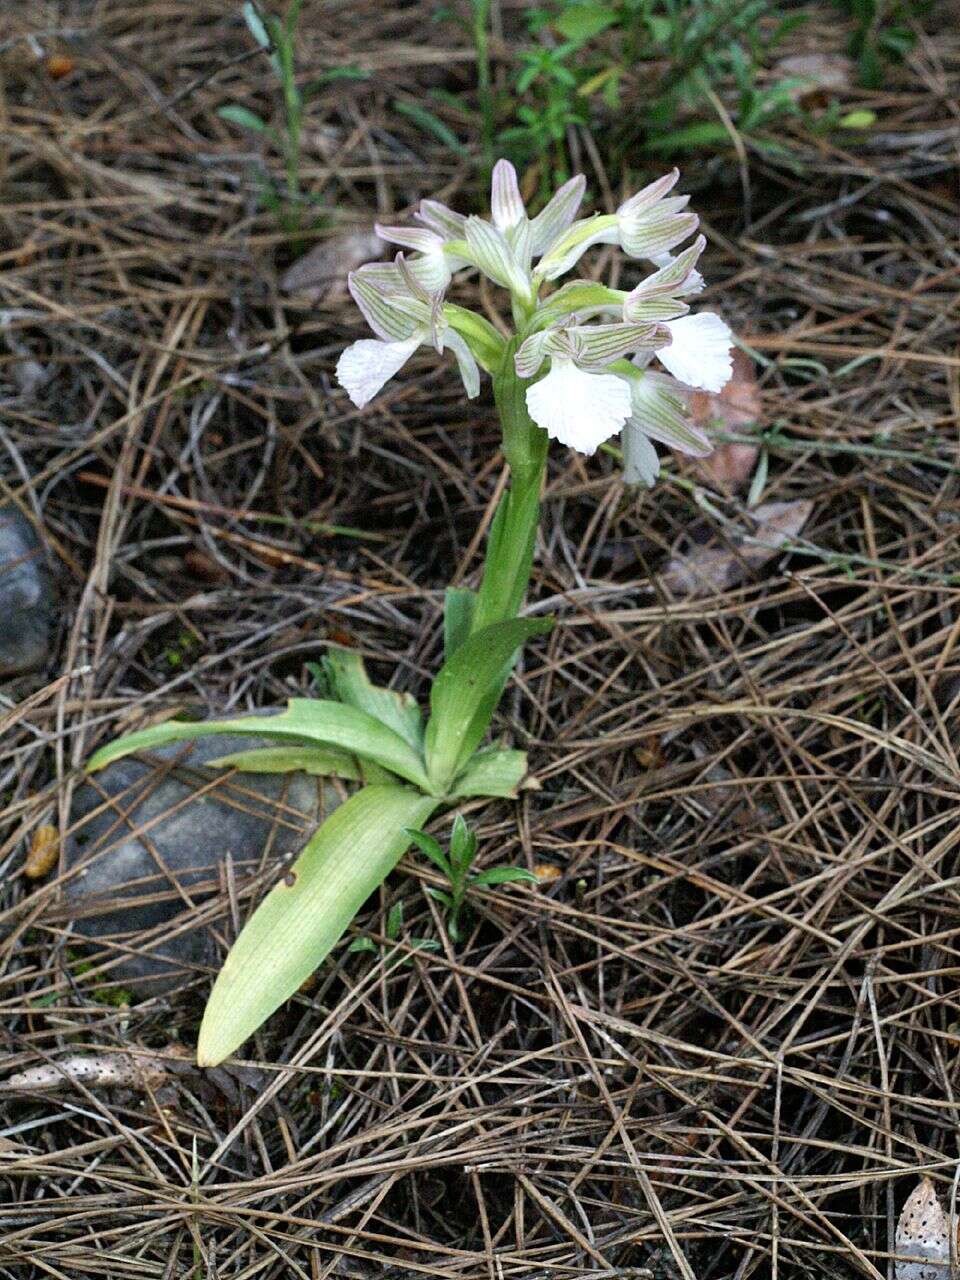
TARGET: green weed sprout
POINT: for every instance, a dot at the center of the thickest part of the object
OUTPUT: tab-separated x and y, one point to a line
278	37
392	956
456	867
577	366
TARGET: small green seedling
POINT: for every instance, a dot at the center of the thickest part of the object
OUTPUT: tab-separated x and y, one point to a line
392	956
277	37
456	867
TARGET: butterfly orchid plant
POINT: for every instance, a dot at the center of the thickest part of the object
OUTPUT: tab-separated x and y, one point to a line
581	364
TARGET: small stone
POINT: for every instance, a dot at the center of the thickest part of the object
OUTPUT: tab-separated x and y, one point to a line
26	596
151	840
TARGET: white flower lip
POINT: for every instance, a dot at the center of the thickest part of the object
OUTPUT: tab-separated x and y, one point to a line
578	408
699	351
367	365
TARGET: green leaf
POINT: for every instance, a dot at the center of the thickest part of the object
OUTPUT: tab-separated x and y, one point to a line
689	138
306	914
333	76
503	875
255	23
431	848
858	119
316	761
463	847
466	691
350	683
362	944
394	921
439	895
458	606
242	116
431	124
330	724
609	76
498	771
581	22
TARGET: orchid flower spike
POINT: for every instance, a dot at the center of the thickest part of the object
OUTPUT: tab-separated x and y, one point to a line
584	351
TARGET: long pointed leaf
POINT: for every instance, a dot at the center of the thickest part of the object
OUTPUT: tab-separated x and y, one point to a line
329	724
315	761
306	914
352	685
459	604
497	771
467	690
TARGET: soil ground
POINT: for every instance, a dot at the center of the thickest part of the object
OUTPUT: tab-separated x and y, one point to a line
722	1040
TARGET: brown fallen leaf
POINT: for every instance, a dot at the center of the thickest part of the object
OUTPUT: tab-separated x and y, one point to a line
697	570
43	854
324	269
923	1235
738	405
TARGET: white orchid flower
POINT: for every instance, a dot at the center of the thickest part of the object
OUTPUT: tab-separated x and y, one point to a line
404	316
505	261
648	225
581	389
699	351
660	297
446	222
579	402
503	249
434	269
658	411
659	402
510	214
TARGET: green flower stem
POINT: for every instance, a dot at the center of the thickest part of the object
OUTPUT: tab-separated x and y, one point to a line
506	572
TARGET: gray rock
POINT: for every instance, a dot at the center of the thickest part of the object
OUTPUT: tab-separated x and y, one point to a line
152	841
26	596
